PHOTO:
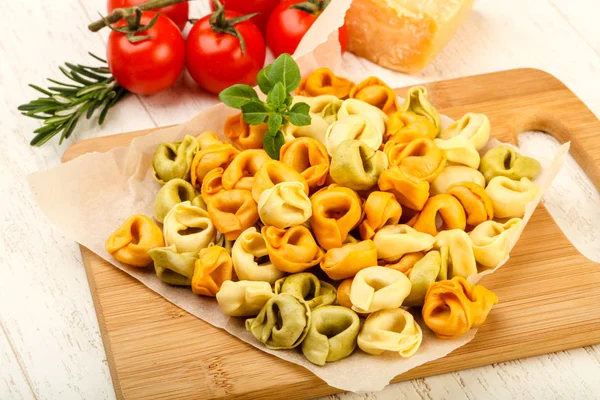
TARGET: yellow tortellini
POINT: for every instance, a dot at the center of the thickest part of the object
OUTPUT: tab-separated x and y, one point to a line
323	112
509	198
188	228
243	298
251	258
472	126
285	204
332	334
375	92
357	166
422	275
394	241
132	240
377	288
417	101
174	192
282	323
307	287
454	174
174	160
172	267
492	241
390	330
504	161
460	259
459	150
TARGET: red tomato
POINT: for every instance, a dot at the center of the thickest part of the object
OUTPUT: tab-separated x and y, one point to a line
287	26
151	65
245	7
215	60
178	13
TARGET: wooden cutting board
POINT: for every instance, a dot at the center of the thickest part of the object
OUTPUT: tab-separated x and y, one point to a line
549	293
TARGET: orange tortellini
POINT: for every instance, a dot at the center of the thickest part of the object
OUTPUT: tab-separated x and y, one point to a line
336	211
292	250
308	157
453	307
214	155
240	174
410	191
447	207
242	135
381	209
323	81
345	262
376	93
132	241
406	126
232	212
212	268
475	201
420	158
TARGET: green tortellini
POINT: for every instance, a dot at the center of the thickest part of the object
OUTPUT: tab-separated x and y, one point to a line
174	192
174	160
332	334
425	272
308	287
323	112
172	267
504	161
417	101
282	323
357	166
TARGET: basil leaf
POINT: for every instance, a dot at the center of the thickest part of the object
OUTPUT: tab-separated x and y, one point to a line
285	70
262	78
274	122
277	95
272	143
299	114
237	95
254	113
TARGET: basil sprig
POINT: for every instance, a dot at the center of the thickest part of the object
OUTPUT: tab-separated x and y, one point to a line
277	81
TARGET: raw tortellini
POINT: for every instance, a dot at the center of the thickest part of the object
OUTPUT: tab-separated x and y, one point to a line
492	241
212	184
242	135
417	101
357	166
454	174
174	192
406	126
323	81
215	155
447	207
345	262
422	275
212	268
323	112
336	211
390	330
240	173
307	287
459	250
381	209
509	198
273	172
292	250
504	161
282	323
472	126
233	211
251	258
453	307
332	334
174	160
243	298
410	191
189	228
376	93
476	202
172	267
377	288
394	241
308	157
131	242
285	204
459	150
420	158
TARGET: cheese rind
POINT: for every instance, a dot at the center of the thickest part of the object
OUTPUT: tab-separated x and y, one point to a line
404	35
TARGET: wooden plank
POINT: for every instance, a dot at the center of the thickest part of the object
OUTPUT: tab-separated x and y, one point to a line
548	290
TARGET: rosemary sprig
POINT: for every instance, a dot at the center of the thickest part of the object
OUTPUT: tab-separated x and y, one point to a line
90	89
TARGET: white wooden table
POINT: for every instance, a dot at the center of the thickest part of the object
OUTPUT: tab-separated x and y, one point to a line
50	346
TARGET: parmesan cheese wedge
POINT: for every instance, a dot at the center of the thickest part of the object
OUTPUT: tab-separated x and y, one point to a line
404	35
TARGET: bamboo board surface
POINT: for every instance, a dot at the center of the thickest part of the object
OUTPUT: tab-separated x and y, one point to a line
548	291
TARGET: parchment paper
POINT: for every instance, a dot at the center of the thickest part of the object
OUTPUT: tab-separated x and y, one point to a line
89	197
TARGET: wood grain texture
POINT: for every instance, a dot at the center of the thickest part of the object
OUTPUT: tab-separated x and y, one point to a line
547	290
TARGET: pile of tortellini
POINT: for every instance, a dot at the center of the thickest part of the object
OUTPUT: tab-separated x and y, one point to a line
373	212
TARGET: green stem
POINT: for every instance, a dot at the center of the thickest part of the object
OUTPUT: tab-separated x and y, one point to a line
121	13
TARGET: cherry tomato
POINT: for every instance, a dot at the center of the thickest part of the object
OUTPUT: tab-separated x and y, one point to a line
178	13
215	60
151	65
287	26
245	7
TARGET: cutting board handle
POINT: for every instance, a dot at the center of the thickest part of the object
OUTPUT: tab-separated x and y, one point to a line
544	121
